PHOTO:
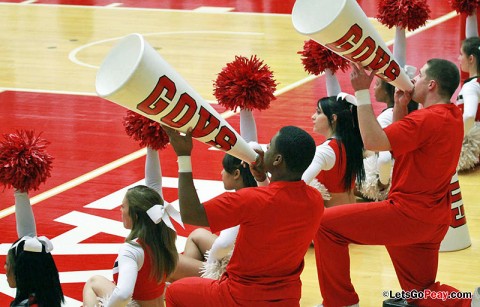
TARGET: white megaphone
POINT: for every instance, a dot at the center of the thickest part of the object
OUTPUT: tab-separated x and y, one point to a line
343	27
457	236
136	77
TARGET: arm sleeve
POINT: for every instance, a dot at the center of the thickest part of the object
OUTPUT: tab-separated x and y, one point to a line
471	26
130	260
248	128
24	215
223	244
332	84
385	118
384	166
324	159
410	133
400	46
153	171
230	209
470	92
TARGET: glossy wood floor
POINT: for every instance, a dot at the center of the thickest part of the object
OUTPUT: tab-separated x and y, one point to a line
49	57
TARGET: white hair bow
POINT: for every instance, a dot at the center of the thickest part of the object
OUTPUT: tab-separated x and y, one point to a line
164	213
34	244
349	98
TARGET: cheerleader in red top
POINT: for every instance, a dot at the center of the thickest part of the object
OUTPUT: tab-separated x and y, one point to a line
338	162
149	254
468	100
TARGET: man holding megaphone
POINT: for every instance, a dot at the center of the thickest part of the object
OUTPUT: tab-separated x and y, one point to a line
413	220
277	224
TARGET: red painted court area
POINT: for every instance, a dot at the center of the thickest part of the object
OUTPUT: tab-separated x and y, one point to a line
94	158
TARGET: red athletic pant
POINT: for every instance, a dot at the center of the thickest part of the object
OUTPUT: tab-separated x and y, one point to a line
412	245
205	292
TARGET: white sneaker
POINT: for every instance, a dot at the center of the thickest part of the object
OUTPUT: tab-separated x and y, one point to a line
476	298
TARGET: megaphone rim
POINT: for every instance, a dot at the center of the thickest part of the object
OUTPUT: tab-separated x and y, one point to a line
140	40
297	17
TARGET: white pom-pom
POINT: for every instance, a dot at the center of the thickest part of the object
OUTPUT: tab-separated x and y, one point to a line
320	187
469	156
369	188
103	301
215	269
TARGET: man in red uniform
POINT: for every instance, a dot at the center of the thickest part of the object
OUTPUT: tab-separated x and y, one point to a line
414	218
277	224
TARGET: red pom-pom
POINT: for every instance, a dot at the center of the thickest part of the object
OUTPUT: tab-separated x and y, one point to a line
246	84
148	132
317	58
407	14
465	6
24	163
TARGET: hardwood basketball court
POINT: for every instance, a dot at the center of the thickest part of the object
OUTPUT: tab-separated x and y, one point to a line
49	56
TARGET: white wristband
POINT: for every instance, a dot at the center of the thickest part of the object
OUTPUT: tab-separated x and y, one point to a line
363	97
184	164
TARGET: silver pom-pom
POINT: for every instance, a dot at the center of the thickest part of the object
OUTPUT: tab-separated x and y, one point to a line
469	156
215	269
320	187
103	301
369	188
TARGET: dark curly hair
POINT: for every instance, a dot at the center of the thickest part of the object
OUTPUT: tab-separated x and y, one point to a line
297	148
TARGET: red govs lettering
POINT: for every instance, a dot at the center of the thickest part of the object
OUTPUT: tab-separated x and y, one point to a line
183	111
353	46
457	208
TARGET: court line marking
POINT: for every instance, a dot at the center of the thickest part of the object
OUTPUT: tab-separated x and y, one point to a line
114	4
88	176
34	90
214	9
116	7
140	153
72	56
79	180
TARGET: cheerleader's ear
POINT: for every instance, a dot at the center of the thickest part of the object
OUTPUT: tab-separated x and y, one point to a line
237	174
334	119
471	59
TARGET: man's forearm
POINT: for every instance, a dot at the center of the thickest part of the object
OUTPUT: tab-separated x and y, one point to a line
191	209
373	136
